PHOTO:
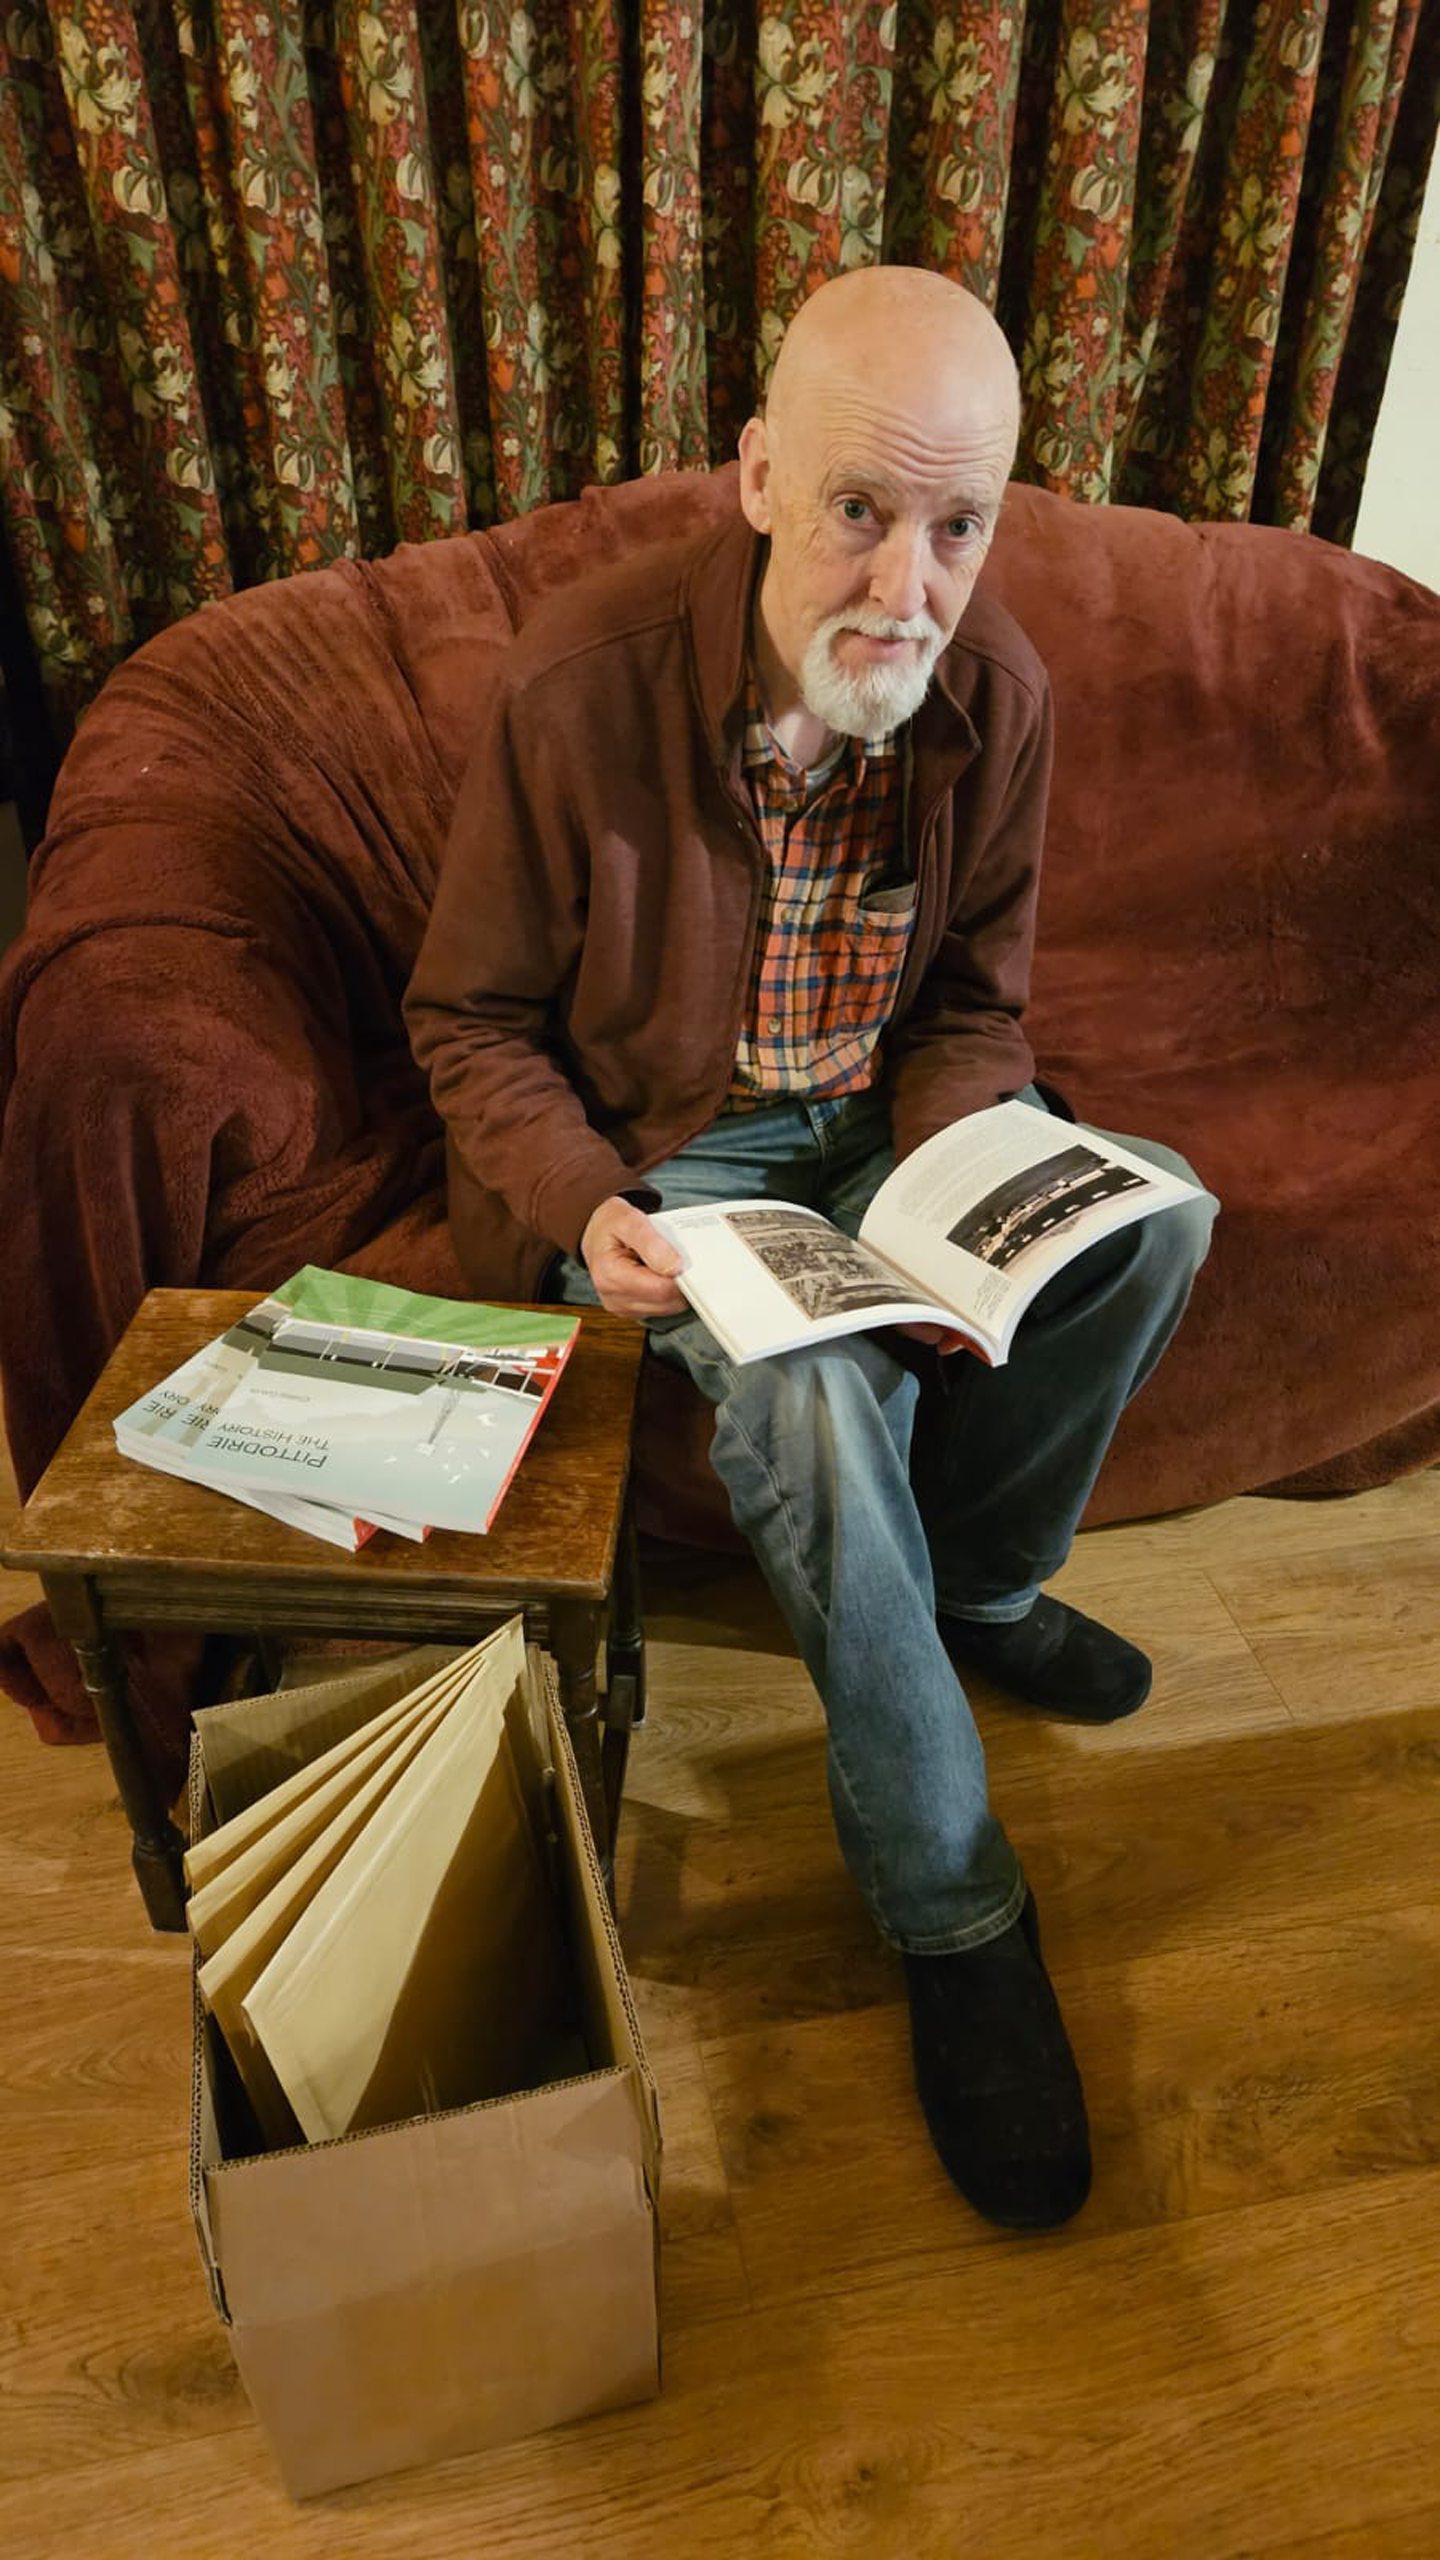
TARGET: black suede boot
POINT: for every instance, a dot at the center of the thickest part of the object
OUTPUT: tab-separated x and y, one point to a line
997	2080
1053	1658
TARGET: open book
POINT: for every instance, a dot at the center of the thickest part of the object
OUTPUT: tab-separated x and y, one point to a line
965	1233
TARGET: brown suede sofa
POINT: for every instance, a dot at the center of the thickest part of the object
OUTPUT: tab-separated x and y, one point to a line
204	1074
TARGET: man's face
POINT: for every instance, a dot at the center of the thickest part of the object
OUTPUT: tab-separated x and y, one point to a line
879	515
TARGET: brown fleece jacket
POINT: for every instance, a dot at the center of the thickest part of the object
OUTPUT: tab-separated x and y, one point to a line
579	991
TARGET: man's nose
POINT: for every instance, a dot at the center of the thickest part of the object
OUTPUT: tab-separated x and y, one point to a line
897	572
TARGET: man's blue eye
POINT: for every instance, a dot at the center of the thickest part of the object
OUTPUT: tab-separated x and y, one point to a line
854	510
959	527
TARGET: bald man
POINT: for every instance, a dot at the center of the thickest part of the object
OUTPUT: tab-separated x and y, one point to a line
740	900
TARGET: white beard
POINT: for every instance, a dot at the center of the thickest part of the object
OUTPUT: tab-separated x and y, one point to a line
874	699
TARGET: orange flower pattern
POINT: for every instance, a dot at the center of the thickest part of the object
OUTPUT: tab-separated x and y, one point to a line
282	286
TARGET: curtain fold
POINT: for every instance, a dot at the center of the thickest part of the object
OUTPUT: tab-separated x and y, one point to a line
282	284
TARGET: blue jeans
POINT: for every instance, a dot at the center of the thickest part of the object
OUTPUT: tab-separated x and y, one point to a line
877	1483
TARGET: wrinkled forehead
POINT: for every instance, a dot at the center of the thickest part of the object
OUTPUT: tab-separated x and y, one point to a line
946	434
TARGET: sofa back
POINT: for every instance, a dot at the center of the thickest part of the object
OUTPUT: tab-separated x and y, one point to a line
1238	949
1245	737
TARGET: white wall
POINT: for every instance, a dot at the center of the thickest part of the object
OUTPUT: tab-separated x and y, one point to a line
1399	518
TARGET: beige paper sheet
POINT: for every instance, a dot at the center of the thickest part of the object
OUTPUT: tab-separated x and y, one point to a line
226	1977
260	1862
428	1969
270	1752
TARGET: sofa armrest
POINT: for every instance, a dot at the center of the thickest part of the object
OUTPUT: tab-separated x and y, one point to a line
150	1069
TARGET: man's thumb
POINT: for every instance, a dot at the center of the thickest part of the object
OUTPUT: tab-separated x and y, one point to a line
644	1239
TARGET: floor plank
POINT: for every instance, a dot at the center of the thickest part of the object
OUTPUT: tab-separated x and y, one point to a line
93	2051
92	2375
1337	1634
1414	2535
1252	1526
1191	2373
1208	1680
750	1913
1217	2074
1230	2354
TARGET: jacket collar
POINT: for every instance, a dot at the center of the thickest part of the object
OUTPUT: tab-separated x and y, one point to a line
719	600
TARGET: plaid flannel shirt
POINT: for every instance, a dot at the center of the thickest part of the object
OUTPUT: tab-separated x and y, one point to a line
835	916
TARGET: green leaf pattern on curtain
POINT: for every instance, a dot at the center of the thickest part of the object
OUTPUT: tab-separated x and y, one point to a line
1357	105
280	285
1074	294
957	82
242	174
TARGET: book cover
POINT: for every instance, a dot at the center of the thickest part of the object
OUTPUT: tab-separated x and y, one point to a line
161	1428
380	1401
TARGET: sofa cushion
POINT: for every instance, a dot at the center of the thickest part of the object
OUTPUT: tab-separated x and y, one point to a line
204	1075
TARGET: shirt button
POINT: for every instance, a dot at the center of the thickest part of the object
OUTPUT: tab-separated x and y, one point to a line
776	1022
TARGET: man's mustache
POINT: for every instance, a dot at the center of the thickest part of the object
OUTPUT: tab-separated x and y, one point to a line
873	625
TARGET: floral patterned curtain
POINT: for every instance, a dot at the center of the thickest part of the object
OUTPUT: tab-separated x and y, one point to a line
284	284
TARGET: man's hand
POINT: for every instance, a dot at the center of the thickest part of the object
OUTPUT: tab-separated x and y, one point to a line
940	1338
630	1262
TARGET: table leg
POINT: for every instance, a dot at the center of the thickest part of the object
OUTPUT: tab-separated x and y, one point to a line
156	1849
574	1638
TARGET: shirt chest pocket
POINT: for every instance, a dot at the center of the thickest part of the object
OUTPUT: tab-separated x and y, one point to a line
863	946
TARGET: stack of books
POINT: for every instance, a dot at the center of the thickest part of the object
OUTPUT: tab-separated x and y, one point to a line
379	1935
344	1406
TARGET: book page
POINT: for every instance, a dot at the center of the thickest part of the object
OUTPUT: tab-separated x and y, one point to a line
984	1213
767	1276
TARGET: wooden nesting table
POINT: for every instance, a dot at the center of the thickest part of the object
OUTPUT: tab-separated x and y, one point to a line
118	1546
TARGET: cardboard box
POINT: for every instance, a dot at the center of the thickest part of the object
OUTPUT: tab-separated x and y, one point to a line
457	2280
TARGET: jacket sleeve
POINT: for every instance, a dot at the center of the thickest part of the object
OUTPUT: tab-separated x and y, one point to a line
483	1004
961	1047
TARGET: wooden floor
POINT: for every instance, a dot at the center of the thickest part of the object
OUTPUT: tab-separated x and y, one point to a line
1235	2349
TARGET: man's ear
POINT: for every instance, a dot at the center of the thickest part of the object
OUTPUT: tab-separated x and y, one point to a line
755	475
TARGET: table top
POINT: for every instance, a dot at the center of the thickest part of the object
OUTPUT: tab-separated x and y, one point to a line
556	1529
